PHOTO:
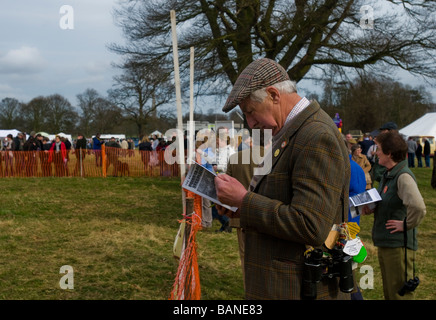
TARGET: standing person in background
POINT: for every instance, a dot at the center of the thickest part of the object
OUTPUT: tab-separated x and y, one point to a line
44	155
366	143
433	176
154	141
144	150
68	147
418	153
124	147
203	153
58	155
131	147
223	152
411	149
396	216
96	146
9	148
358	184
19	141
363	162
112	152
30	160
80	153
426	152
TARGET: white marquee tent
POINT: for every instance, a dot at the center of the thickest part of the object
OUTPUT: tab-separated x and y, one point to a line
107	136
4	133
424	126
61	134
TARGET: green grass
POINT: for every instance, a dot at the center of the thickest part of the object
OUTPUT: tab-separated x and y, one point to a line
118	234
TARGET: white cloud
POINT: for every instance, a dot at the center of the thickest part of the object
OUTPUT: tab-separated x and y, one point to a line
5	89
25	60
87	80
97	67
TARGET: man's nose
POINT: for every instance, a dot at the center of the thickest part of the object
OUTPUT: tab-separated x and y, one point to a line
251	121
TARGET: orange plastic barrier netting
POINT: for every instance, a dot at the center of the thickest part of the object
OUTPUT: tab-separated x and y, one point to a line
86	163
187	283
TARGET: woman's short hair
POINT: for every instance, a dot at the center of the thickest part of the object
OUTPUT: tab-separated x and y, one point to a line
394	144
354	147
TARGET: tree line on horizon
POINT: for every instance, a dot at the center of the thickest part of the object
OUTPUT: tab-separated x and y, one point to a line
363	104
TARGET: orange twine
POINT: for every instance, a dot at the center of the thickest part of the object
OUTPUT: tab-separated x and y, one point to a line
187	282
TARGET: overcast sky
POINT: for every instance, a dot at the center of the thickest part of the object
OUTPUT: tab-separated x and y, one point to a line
39	56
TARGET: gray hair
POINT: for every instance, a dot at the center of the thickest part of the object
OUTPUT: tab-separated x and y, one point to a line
287	86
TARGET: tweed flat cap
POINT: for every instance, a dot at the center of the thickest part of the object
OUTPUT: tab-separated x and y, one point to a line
257	75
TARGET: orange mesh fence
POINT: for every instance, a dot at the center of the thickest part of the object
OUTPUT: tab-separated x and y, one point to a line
86	163
187	282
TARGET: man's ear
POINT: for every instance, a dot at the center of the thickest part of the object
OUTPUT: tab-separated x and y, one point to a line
273	94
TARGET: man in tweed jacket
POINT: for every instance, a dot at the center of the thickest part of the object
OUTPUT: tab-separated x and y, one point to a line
306	191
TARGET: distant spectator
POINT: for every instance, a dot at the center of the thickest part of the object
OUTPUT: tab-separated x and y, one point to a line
363	162
68	148
144	148
96	146
44	155
154	141
112	151
19	141
8	148
427	152
58	155
124	147
162	145
131	147
366	143
39	142
80	153
19	156
411	149
418	153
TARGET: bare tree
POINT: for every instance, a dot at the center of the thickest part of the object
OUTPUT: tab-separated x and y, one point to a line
35	114
61	116
87	102
309	38
10	113
367	102
139	91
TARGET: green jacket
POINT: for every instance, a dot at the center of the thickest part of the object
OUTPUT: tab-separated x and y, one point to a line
391	207
296	204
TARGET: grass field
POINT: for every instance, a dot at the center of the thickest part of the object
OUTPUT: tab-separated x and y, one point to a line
117	234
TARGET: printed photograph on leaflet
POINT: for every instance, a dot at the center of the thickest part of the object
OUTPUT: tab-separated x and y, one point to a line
201	181
369	197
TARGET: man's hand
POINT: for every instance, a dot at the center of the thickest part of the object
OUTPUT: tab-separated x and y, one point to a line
366	210
222	211
229	190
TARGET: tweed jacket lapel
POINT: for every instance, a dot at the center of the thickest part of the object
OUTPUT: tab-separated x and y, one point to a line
282	142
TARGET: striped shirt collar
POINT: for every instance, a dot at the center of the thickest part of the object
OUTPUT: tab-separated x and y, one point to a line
300	106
